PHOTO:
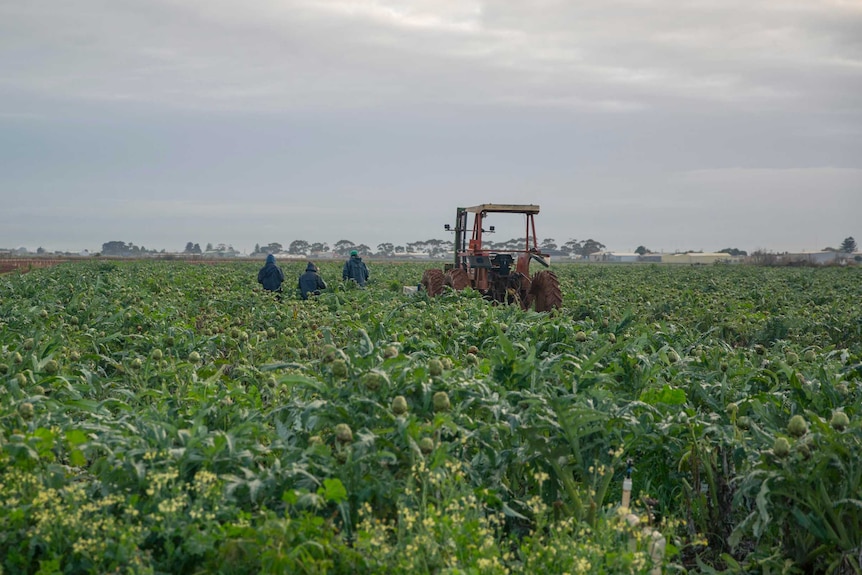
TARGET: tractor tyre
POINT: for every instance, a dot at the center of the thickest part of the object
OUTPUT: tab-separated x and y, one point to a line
525	298
457	279
545	291
432	281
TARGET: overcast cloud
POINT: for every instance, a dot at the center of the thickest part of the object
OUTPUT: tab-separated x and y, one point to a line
676	125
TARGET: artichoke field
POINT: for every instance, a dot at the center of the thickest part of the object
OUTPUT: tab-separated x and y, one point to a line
163	417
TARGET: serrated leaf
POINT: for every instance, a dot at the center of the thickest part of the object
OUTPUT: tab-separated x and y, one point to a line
76	437
333	490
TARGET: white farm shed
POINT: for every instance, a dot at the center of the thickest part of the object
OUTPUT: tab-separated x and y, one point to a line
614	257
813	258
695	258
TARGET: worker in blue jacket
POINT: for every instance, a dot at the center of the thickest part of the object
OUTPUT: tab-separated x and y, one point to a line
310	282
355	269
270	275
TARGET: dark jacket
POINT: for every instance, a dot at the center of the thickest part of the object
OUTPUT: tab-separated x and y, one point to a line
310	281
356	270
270	275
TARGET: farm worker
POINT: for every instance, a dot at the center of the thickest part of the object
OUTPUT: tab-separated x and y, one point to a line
355	269
270	275
310	282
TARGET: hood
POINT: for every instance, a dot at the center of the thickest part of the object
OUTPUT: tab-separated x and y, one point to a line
311	267
270	259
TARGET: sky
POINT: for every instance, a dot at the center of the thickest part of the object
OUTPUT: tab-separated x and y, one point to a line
696	125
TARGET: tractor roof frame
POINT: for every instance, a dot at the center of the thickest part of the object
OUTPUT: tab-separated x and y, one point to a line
529	209
464	247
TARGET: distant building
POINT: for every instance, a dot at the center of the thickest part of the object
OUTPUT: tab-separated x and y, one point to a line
816	258
709	258
629	257
221	254
416	255
699	258
650	258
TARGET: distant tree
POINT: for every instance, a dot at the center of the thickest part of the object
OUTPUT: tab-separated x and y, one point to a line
256	249
115	248
432	247
363	250
190	248
400	249
298	247
591	246
319	247
642	250
440	247
209	247
273	248
571	247
764	258
548	245
40	250
197	249
512	244
829	249
343	247
385	249
848	246
733	252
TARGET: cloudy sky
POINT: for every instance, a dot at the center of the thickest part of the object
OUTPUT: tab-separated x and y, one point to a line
699	125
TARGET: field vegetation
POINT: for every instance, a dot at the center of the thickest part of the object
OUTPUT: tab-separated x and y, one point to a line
164	417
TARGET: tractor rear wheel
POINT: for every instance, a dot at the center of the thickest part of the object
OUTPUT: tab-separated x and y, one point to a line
457	279
524	296
545	291
432	281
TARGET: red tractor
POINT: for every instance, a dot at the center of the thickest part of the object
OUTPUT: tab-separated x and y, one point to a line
500	275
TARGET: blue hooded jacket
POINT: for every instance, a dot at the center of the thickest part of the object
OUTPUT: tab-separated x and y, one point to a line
355	269
270	275
310	281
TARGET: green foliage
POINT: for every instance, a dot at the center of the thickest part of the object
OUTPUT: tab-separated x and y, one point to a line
163	417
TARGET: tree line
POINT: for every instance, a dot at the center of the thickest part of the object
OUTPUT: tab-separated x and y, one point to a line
118	248
431	247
